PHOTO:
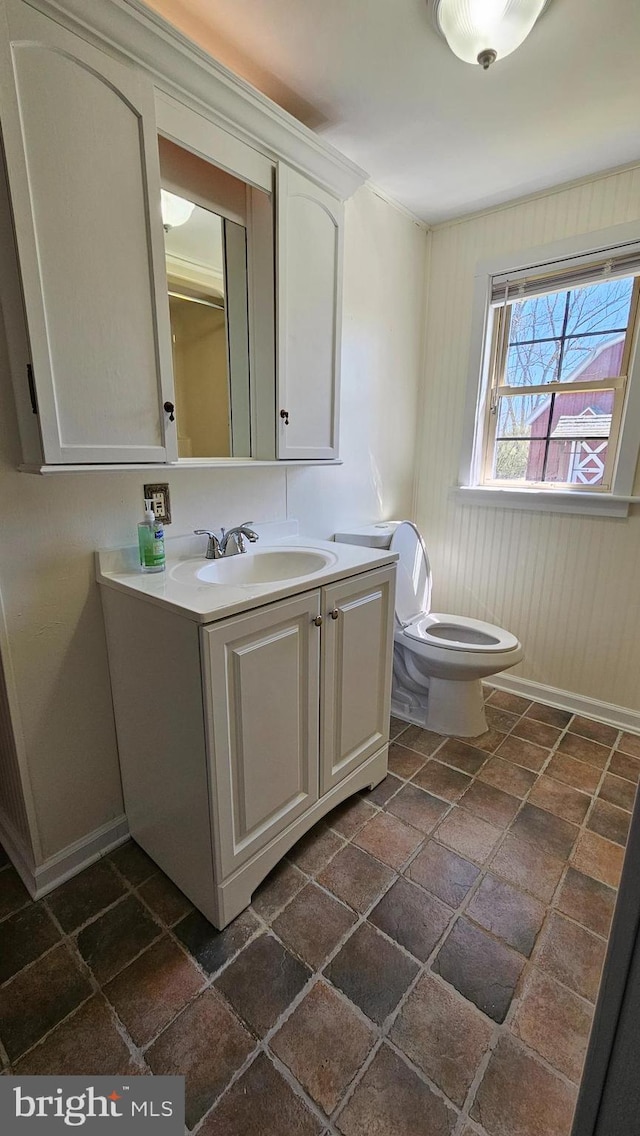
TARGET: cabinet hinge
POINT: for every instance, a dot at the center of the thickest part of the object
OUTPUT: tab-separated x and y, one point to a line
32	389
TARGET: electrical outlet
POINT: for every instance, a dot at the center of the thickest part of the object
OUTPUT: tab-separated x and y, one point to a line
159	495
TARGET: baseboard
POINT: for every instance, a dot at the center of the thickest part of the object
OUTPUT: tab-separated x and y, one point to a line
68	862
75	857
619	716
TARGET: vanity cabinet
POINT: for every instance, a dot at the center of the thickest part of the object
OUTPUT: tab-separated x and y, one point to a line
235	737
261	675
81	109
356	672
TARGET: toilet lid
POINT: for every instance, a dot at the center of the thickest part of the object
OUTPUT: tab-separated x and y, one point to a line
413	573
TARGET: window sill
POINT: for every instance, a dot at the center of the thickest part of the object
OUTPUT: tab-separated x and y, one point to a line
587	504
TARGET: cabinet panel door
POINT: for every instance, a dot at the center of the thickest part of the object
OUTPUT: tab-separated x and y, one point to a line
309	302
81	148
261	674
356	672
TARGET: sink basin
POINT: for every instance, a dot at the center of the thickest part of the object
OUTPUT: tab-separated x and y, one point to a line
264	566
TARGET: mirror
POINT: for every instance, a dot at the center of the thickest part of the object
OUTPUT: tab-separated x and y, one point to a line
206	263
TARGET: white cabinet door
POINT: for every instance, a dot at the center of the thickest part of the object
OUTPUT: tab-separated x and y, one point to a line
309	303
261	689
357	648
81	149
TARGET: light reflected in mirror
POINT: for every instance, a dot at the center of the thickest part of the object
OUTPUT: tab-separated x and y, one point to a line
206	263
195	278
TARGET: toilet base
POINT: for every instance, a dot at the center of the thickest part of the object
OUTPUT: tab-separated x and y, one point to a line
456	708
413	713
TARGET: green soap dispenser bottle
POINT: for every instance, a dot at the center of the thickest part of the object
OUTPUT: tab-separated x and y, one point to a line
151	541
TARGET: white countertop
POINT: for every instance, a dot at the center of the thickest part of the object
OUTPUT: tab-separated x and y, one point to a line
205	602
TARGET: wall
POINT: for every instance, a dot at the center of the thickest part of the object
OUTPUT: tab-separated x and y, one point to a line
13	810
386	255
51	525
567	586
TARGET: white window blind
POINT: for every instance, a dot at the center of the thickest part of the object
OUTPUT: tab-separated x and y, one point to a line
608	264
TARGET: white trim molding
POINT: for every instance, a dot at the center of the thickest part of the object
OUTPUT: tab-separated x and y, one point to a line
184	70
539	500
79	855
622	717
43	878
408	213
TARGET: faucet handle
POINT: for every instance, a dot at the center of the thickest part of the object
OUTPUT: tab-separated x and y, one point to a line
213	543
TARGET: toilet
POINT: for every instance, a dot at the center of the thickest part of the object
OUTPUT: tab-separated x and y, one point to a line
438	659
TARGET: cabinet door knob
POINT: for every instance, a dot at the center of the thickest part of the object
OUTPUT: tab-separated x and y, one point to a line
285	414
335	613
170	409
318	621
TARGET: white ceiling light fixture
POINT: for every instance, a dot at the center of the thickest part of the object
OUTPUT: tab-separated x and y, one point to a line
481	31
175	210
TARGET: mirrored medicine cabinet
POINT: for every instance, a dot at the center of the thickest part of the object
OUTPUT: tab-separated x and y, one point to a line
204	215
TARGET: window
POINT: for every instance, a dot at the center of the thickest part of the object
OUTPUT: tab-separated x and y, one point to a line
554	413
560	365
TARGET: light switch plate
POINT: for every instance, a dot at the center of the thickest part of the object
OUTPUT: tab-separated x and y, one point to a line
159	494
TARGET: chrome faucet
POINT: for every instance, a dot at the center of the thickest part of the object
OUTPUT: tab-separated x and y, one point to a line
228	543
238	533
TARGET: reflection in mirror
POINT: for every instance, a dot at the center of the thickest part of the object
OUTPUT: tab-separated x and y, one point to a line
206	262
195	279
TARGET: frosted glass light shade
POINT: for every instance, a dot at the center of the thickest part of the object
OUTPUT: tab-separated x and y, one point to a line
475	28
175	210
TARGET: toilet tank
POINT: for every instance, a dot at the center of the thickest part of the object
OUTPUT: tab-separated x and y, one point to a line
374	536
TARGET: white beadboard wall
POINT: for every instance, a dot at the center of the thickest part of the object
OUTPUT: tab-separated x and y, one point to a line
51	525
568	586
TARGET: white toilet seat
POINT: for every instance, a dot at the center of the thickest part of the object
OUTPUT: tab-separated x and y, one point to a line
460	633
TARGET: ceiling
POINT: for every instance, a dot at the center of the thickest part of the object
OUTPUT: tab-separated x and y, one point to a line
439	136
194	253
199	240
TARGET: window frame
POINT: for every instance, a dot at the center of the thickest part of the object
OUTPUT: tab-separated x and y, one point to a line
498	333
614	499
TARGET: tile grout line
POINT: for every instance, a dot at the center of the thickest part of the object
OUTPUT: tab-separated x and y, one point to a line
210	979
504	1027
482	869
67	939
317	975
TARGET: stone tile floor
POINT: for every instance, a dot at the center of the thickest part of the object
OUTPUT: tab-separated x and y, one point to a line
424	963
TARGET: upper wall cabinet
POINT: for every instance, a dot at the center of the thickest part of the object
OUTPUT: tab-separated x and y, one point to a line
147	342
82	161
309	274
